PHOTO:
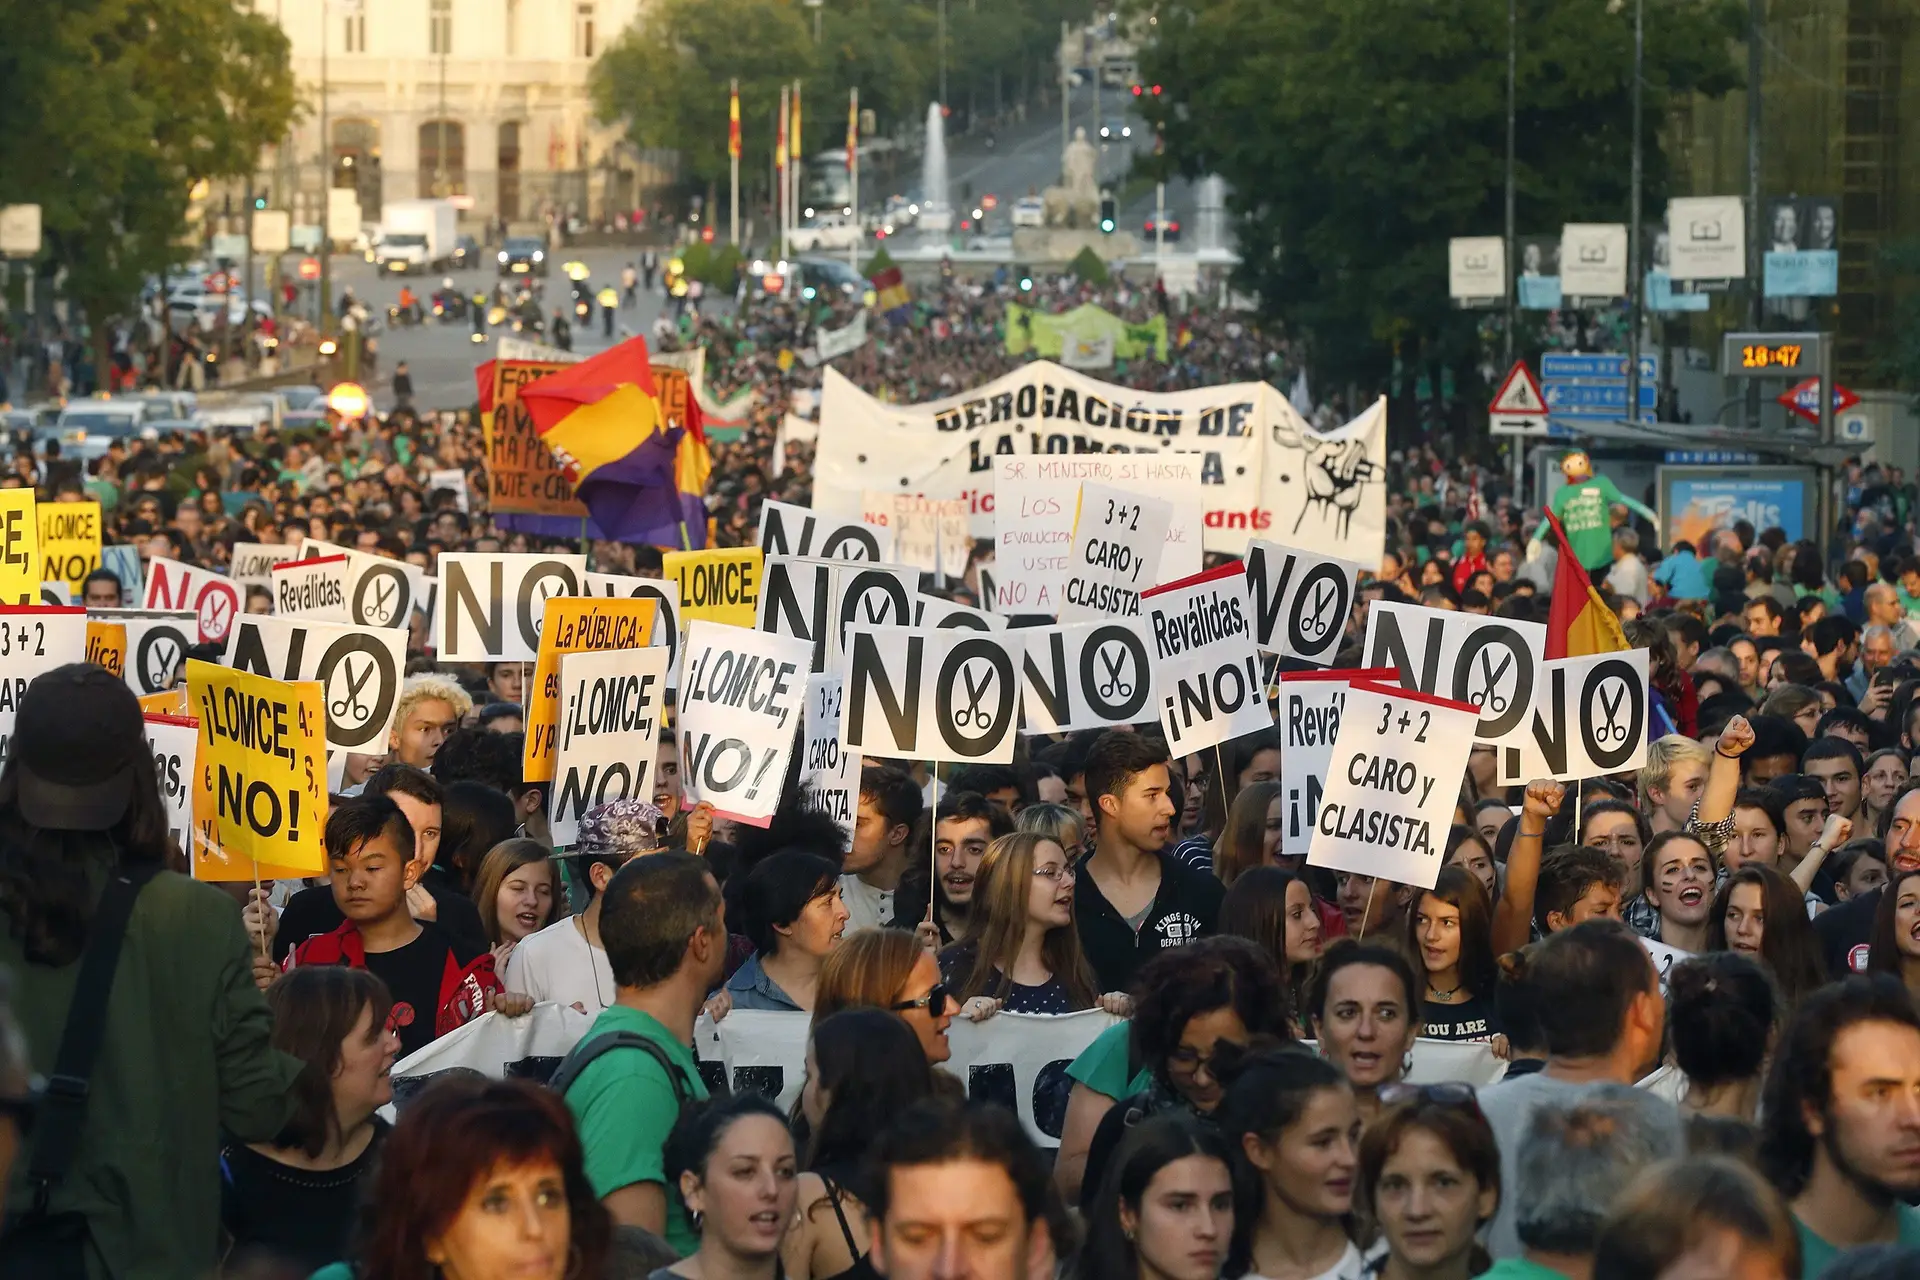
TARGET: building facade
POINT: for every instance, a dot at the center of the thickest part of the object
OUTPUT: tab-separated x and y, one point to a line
485	101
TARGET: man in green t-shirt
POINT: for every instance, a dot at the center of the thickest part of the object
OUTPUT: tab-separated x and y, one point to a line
1585	506
1842	1139
666	942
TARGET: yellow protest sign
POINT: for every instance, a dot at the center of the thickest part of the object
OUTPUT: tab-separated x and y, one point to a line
574	624
19	548
721	584
261	775
171	703
107	646
69	542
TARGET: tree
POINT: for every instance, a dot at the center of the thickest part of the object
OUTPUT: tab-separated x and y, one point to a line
114	110
1357	138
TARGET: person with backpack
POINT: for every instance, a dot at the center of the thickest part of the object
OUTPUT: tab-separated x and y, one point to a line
634	1072
133	986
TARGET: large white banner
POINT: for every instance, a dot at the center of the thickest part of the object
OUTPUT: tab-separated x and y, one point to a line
1590	719
609	718
1205	670
1264	469
946	694
490	604
1494	663
1392	785
360	670
1308	718
742	694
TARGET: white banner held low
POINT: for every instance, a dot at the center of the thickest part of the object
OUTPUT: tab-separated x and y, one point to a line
1301	600
1087	675
609	720
1308	718
491	603
944	694
830	776
1393	784
1118	541
1206	674
742	695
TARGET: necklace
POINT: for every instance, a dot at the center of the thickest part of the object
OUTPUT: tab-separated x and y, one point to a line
1444	997
580	924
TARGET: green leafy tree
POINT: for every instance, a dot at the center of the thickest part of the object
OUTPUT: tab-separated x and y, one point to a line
1357	138
111	113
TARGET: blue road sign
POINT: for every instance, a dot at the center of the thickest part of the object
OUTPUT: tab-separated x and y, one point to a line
1571	366
1575	397
1593	386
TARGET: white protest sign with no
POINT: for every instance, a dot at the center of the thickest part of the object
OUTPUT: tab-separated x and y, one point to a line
830	777
490	603
1118	542
1086	675
609	712
1308	718
157	642
742	693
1392	784
1493	663
174	740
932	695
1301	600
1589	719
932	611
787	530
1206	674
818	600
665	594
359	670
213	600
34	639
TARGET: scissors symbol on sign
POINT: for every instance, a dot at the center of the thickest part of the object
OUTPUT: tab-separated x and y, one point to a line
383	594
1491	699
350	707
1610	729
973	713
1316	624
1115	685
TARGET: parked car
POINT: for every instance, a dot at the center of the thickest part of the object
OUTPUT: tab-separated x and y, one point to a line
465	255
523	256
1029	211
827	231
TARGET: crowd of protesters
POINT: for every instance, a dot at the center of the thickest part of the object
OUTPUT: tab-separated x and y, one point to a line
1699	978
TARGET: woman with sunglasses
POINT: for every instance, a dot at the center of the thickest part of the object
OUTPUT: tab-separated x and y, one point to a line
1022	953
1292	1122
1430	1171
889	969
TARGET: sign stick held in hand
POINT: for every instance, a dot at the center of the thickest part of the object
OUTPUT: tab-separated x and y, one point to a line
1364	915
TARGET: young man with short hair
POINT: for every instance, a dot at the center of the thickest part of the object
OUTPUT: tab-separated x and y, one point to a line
1672	781
1762	616
566	962
1839	1120
506	681
430	707
1777	746
1132	900
958	1192
1576	884
890	804
1836	765
666	940
964	824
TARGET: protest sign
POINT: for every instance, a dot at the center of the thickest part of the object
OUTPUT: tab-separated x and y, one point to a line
529	1047
1493	663
932	611
1664	958
720	584
928	533
1035	501
829	777
574	624
253	562
522	475
454	481
348	586
931	695
1206	675
665	594
1086	675
213	600
55	594
69	541
260	776
359	670
107	646
787	530
1301	600
174	740
742	693
1589	719
818	600
490	603
145	647
34	639
20	562
610	705
1392	784
171	703
1118	539
123	562
1308	718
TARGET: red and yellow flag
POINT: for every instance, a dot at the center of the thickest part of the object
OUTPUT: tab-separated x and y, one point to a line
780	135
793	134
733	122
1578	621
853	126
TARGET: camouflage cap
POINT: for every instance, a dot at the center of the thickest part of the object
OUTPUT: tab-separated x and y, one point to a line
621	828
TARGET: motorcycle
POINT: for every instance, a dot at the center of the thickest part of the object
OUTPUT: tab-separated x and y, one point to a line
450	308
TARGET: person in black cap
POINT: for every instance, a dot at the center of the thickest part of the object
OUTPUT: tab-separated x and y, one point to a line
157	970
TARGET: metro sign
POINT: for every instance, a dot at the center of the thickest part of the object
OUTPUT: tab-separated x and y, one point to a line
1804	399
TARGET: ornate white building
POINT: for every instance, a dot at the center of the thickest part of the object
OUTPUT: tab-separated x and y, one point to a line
484	99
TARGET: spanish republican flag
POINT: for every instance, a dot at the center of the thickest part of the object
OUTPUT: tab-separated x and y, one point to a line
1578	621
733	122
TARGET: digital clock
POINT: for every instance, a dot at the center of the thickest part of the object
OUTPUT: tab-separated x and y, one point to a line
1770	355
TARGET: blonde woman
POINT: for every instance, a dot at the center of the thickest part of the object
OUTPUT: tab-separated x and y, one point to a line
1058	823
1025	954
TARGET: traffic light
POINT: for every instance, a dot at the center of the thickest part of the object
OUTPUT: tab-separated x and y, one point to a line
259	203
1108	210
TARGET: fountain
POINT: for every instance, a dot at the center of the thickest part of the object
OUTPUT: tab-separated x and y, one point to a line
936	215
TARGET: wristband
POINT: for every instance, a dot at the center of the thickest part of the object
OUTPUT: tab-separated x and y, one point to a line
1723	755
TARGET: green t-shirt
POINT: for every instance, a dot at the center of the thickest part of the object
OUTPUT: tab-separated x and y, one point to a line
1102	1065
1816	1253
1585	513
1520	1269
625	1107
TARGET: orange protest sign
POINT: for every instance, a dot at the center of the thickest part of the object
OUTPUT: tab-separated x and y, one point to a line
574	624
522	475
171	703
107	646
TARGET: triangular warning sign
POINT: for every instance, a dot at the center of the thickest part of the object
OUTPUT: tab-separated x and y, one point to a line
1520	393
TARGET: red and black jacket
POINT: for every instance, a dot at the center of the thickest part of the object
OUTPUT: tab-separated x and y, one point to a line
463	988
